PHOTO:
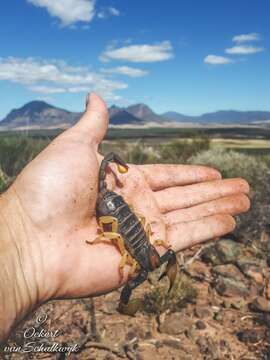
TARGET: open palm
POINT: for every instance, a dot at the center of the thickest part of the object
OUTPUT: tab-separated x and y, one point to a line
57	193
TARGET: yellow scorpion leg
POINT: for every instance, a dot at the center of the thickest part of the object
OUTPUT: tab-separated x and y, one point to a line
112	237
134	268
108	224
163	243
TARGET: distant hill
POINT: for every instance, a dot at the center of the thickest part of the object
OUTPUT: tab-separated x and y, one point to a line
144	112
174	116
123	117
41	115
221	117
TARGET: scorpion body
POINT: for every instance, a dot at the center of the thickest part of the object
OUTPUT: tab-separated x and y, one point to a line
120	225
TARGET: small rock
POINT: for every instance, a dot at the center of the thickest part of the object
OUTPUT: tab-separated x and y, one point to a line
176	344
228	271
230	287
222	252
260	304
110	306
210	255
250	335
131	334
175	324
200	325
251	260
228	250
199	269
254	272
209	347
202	312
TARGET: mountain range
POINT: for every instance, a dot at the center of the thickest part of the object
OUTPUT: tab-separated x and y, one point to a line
41	115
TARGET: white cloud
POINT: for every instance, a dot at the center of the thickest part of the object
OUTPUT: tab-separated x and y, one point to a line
51	77
68	11
246	37
139	53
126	70
244	50
42	89
217	60
107	12
58	90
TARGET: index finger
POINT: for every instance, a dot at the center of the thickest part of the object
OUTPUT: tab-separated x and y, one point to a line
161	176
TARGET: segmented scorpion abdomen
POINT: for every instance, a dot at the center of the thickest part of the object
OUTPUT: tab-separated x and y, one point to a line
129	226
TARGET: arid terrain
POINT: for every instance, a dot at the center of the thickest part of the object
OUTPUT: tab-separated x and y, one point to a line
219	307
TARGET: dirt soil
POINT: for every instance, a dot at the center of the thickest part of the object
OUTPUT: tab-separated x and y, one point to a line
225	316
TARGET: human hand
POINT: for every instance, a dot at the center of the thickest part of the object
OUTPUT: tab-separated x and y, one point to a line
50	212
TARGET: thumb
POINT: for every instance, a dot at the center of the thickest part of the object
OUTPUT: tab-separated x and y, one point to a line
95	120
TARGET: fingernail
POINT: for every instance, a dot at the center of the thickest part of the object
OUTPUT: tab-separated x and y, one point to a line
87	99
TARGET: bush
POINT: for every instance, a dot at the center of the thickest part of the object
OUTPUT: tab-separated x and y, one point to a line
16	152
178	151
233	164
142	154
3	181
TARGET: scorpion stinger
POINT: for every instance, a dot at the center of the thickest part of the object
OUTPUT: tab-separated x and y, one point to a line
121	166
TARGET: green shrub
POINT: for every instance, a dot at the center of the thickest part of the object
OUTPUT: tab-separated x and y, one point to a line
178	151
142	154
233	164
16	152
4	181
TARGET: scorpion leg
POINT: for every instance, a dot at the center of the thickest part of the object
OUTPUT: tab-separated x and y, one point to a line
163	243
171	269
126	307
148	230
108	223
134	266
117	240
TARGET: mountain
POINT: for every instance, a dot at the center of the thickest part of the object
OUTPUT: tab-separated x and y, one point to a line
144	112
232	116
221	117
39	114
122	117
174	116
113	110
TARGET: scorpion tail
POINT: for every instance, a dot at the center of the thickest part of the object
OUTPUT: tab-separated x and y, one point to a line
121	166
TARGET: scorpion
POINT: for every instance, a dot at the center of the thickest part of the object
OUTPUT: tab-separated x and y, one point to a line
128	231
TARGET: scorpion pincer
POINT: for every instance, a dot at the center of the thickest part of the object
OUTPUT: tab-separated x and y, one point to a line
128	231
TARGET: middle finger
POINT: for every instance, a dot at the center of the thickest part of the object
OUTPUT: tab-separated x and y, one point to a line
180	197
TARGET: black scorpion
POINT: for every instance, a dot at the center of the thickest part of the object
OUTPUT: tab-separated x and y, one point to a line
128	232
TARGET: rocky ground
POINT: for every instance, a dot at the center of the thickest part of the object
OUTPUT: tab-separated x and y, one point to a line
218	309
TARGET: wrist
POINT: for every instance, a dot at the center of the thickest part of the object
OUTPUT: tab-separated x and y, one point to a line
19	290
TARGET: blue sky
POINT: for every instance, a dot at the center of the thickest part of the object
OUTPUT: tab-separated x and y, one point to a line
190	56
